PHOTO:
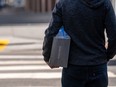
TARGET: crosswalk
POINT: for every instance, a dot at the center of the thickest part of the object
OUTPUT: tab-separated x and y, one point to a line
24	67
27	69
18	67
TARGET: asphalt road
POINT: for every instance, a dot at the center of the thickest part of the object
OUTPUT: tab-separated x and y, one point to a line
31	71
27	69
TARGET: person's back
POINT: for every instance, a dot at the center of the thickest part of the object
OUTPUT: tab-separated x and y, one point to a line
85	22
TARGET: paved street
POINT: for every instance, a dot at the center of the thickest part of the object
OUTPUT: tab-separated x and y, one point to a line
27	71
30	71
22	65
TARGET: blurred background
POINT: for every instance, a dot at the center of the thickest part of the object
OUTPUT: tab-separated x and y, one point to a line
22	26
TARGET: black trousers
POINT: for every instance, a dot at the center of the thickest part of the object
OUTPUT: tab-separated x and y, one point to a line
85	76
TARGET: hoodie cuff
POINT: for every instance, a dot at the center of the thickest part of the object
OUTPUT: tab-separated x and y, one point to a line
109	57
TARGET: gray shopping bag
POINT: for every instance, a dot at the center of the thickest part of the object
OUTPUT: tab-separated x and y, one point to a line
60	49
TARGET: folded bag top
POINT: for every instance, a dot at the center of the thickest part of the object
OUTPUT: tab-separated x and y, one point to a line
62	33
60	49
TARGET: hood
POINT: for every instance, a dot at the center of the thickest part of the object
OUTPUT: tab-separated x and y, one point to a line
93	3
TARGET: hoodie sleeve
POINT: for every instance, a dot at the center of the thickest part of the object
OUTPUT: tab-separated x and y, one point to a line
52	30
110	23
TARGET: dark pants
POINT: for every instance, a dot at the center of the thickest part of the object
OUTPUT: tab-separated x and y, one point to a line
85	76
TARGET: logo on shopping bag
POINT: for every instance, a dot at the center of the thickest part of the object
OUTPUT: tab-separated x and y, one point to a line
3	44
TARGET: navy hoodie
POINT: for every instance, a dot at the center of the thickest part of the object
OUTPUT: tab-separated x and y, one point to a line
85	21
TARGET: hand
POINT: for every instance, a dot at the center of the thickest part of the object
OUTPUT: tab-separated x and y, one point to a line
51	66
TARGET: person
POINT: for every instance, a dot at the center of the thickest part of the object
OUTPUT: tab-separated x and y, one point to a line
85	22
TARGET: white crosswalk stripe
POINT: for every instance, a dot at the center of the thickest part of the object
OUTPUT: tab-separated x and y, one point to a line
11	68
23	67
42	75
20	56
49	86
111	74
